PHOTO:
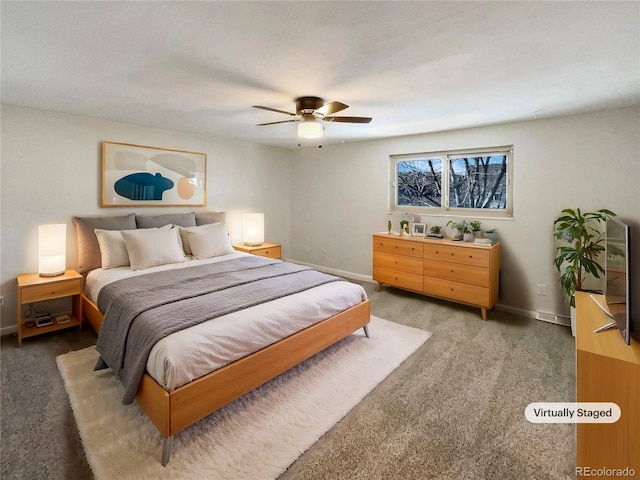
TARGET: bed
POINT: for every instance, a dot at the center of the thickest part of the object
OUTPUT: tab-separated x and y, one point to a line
247	345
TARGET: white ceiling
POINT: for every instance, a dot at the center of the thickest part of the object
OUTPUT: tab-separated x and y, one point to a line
412	66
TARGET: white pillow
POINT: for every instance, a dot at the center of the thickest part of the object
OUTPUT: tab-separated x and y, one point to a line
151	247
184	240
113	251
206	241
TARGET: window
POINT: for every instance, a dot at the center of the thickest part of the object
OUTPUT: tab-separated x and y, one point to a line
459	182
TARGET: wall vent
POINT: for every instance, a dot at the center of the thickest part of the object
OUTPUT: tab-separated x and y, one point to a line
553	318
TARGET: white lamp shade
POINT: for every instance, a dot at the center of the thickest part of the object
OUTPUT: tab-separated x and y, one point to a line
253	228
52	250
310	129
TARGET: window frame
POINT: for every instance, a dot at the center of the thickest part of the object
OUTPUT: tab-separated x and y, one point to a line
445	209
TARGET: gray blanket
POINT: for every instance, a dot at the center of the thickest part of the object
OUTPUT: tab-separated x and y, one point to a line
139	311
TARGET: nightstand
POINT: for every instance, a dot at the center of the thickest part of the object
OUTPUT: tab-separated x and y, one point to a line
33	288
271	250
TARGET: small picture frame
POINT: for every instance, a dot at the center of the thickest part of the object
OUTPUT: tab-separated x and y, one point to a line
419	230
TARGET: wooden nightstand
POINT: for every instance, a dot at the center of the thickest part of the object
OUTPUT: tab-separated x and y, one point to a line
271	250
33	288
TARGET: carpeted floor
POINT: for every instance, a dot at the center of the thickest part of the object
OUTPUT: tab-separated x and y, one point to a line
453	410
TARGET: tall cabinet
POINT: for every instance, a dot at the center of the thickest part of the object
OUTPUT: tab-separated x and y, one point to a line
607	370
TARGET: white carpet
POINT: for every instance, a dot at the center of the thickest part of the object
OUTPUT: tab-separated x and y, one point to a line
256	437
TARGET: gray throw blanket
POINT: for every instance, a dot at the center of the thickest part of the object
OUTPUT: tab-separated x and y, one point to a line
139	311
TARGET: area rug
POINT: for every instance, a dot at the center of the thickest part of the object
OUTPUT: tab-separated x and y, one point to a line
255	437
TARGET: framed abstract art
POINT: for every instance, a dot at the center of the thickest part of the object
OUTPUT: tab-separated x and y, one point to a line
149	176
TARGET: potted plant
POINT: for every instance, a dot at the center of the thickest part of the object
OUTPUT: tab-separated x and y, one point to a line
492	233
579	258
475	228
434	231
464	230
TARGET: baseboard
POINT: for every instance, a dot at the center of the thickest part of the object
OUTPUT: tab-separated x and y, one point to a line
333	271
542	316
8	330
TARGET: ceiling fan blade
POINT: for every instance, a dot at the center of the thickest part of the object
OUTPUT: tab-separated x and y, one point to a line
274	110
331	108
274	123
348	119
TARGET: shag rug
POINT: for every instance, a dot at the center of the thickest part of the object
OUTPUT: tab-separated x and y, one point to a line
255	437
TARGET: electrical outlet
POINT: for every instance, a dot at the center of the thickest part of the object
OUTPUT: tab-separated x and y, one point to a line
542	289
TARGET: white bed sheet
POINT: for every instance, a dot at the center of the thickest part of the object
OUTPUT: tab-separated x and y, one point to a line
196	351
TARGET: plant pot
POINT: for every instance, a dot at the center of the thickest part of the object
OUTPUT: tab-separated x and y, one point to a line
477	233
468	237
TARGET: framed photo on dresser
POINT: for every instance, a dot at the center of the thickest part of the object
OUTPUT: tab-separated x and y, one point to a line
419	230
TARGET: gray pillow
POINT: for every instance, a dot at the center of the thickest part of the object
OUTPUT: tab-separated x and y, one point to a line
88	247
157	221
204	218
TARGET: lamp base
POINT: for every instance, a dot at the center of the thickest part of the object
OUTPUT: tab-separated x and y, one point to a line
253	244
51	274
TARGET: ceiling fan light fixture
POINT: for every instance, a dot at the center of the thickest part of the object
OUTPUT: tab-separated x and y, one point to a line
309	129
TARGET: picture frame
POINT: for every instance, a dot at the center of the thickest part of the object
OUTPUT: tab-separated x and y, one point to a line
419	230
139	175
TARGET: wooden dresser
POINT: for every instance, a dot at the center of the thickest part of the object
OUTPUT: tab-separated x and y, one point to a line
458	271
607	370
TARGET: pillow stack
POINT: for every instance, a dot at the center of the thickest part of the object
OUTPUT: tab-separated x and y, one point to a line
145	241
149	247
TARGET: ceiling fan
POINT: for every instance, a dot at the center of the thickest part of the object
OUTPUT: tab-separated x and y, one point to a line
310	111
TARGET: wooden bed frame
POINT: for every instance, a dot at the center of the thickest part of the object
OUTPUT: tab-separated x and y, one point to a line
173	411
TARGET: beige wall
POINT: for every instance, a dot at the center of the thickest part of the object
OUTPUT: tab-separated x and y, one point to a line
323	204
51	172
339	194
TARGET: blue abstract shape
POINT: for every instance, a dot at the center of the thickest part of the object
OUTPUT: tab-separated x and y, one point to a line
143	186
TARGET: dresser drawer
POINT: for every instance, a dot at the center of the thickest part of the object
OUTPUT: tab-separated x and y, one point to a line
410	281
457	272
37	293
461	292
398	262
270	252
465	255
397	246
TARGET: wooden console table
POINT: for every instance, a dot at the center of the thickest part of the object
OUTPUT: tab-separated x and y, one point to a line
607	370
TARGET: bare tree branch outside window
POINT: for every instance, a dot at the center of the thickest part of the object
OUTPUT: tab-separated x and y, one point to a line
420	183
473	181
478	182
